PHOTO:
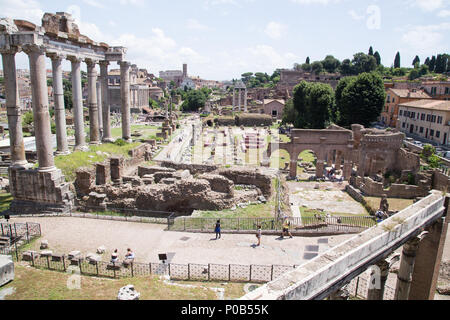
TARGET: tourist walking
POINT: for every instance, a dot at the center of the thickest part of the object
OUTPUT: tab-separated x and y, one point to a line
217	229
286	225
258	235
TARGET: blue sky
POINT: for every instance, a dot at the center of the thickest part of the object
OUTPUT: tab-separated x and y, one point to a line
221	39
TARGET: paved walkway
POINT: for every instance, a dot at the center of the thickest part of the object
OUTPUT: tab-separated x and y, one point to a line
148	240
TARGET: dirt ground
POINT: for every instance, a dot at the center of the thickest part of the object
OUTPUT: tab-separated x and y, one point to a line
65	234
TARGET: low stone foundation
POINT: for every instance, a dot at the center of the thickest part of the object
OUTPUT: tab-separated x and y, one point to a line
36	191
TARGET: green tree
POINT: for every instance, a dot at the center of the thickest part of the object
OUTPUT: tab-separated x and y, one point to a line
27	118
362	99
377	57
370	51
363	63
416	61
397	60
246	76
342	84
427	61
432	64
317	67
195	99
306	67
346	68
331	64
423	70
413	74
290	114
313	103
307	60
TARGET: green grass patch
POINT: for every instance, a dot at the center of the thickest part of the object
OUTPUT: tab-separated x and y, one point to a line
5	200
71	162
38	284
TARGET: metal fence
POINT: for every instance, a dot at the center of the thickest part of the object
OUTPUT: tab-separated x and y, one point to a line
14	235
190	271
359	288
332	224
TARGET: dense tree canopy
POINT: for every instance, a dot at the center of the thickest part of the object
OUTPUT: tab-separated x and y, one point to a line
331	64
312	105
195	99
360	99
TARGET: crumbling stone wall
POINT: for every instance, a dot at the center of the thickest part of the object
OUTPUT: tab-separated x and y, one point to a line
375	189
441	181
249	177
193	168
219	183
84	181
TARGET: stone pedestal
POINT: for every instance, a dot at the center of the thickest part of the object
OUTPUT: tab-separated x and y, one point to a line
36	191
319	168
116	167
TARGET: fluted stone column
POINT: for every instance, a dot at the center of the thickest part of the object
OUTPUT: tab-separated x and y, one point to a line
404	276
58	97
99	107
42	129
94	132
125	99
239	97
77	101
13	110
234	98
105	102
245	100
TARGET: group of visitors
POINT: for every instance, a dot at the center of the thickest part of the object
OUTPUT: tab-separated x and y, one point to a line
285	232
129	256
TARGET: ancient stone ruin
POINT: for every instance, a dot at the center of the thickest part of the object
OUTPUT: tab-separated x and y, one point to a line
171	187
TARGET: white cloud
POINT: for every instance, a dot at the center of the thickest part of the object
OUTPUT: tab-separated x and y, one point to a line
29	10
136	3
94	3
429	5
355	15
308	2
275	30
426	39
444	13
194	24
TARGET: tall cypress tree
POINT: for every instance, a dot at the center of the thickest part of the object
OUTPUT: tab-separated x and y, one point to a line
439	68
307	60
377	57
427	61
432	63
416	60
370	51
397	60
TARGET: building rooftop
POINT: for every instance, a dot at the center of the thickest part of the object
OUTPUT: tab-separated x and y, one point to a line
266	101
441	105
406	93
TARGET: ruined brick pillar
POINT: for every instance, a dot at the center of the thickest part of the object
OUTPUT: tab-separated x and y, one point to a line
116	167
428	260
102	173
337	165
319	168
347	171
293	168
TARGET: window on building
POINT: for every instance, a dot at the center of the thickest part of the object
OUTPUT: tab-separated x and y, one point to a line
401	112
422	116
433	118
388	99
431	132
439	120
418	115
438	134
403	125
413	115
447	90
274	113
393	100
421	130
428	117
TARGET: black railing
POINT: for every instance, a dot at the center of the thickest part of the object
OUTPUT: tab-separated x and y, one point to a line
190	271
14	235
332	224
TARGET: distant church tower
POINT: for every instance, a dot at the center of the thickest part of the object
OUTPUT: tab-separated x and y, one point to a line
184	70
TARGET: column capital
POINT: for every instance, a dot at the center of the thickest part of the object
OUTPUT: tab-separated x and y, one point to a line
90	62
56	56
10	50
74	59
33	48
124	64
103	63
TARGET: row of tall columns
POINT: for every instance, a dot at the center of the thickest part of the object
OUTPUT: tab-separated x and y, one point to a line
240	98
38	77
13	110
